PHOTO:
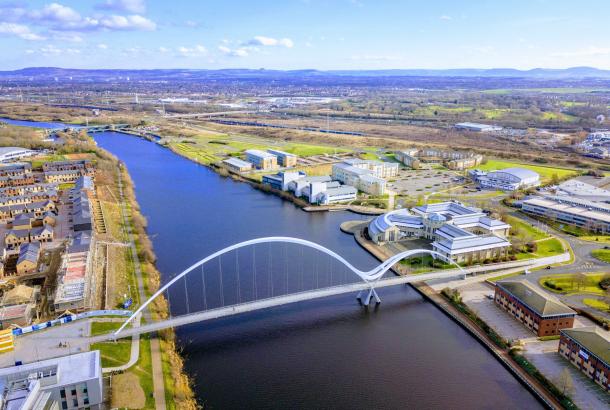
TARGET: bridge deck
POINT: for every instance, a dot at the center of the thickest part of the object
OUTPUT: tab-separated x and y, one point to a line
272	302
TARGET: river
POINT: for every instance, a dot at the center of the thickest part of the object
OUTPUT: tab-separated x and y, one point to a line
328	353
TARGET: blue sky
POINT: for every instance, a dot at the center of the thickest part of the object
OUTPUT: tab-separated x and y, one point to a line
296	34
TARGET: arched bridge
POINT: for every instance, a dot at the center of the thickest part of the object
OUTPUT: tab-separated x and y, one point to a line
262	274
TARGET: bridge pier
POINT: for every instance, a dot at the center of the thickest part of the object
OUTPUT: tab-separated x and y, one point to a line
367	300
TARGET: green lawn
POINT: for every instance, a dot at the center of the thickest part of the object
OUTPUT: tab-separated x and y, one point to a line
549	247
602	254
595	238
546	173
596	304
306	150
102	328
519	226
114	353
587	283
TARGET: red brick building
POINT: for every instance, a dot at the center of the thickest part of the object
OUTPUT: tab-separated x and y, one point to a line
542	313
588	348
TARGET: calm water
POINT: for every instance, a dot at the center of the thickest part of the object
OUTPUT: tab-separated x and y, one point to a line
328	353
23	123
322	354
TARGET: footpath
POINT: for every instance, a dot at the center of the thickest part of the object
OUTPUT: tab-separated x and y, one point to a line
155	350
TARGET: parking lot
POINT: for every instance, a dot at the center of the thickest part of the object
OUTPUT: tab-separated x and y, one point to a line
420	182
586	394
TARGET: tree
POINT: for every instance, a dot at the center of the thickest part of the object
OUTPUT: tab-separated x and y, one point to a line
565	382
581	280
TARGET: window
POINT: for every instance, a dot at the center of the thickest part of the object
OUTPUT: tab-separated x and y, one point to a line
64	405
62	393
86	401
75	402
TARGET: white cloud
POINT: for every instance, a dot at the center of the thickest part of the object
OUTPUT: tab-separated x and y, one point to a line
71	37
102	46
133	22
196	51
191	23
19	30
445	17
164	49
56	12
237	52
271	42
131	6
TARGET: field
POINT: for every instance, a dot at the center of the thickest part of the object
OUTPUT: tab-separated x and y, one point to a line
586	283
546	173
602	254
210	148
597	304
521	227
556	90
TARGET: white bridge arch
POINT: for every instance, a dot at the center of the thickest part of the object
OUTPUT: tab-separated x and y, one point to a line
370	276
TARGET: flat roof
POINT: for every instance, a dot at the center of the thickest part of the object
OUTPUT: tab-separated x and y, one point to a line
259	153
534	298
12	150
280	153
569	209
521	173
240	163
592	338
71	369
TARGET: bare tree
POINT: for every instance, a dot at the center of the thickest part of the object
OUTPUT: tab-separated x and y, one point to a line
565	382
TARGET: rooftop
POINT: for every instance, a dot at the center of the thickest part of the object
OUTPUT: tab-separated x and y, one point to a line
236	162
71	369
259	153
536	299
592	338
12	150
521	173
568	208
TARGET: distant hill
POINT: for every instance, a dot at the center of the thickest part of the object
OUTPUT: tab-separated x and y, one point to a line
41	73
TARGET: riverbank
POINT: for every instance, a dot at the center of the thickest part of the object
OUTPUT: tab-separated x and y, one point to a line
502	355
167	362
304	205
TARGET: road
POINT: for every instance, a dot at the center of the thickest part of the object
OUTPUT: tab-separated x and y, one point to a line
584	262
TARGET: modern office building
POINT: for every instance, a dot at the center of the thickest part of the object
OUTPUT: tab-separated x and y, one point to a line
588	349
476	127
588	215
281	180
326	193
68	382
366	176
578	189
458	232
301	185
237	165
457	160
508	179
12	153
285	159
261	159
540	312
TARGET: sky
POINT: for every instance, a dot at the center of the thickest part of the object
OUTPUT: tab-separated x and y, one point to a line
304	34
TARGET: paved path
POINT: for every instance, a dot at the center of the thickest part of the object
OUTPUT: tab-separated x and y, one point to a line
157	368
134	354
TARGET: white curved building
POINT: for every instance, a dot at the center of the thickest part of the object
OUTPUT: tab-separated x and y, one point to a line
508	179
458	232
